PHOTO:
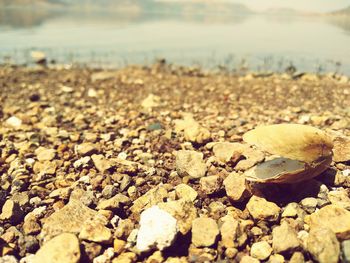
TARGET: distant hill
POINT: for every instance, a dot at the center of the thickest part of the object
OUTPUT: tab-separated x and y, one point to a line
345	11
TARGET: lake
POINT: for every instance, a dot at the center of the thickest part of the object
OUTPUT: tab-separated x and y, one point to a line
118	37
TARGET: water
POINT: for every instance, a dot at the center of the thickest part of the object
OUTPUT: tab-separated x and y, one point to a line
187	34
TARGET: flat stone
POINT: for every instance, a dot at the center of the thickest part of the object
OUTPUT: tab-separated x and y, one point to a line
158	230
152	197
101	163
86	148
261	250
62	248
210	184
186	192
183	210
333	217
190	163
284	239
44	154
95	231
69	219
261	209
113	203
235	187
204	232
323	245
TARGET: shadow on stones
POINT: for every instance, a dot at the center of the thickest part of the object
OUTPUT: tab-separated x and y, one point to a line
180	248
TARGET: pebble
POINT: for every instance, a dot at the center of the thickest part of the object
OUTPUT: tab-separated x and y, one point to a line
333	217
158	229
284	239
190	163
69	219
62	248
261	250
292	210
193	131
276	258
225	151
118	245
151	101
210	184
95	231
14	122
323	245
127	257
11	211
43	154
8	259
309	204
346	251
113	203
339	198
186	192
230	231
260	209
248	259
341	150
86	148
297	257
235	187
101	163
205	232
183	210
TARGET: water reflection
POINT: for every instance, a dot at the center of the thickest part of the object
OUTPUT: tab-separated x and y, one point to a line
186	33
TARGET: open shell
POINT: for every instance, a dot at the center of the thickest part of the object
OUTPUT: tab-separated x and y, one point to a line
304	151
293	141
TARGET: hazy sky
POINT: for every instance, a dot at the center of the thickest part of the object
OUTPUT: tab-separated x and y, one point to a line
305	5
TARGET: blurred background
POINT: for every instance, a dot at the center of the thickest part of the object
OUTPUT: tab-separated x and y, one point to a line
258	35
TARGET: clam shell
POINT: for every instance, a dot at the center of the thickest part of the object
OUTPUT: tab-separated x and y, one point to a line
284	170
292	141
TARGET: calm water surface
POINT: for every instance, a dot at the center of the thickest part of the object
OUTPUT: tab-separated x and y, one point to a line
116	38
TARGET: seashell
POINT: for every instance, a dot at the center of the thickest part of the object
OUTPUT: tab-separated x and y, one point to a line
303	153
284	170
293	141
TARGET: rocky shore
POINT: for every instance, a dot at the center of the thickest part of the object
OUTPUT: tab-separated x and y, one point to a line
139	165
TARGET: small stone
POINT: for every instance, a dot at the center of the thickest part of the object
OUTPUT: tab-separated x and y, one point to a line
341	150
152	197
8	259
346	251
309	204
38	57
190	163
260	209
231	252
31	225
183	210
333	217
186	192
101	163
69	219
113	203
150	102
109	191
276	258
82	162
157	230
193	131
43	154
225	151
156	257
62	248
95	231
235	187
118	245
204	232
210	184
291	210
14	122
229	231
11	211
284	239
127	257
297	257
339	198
86	148
248	259
261	250
323	245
